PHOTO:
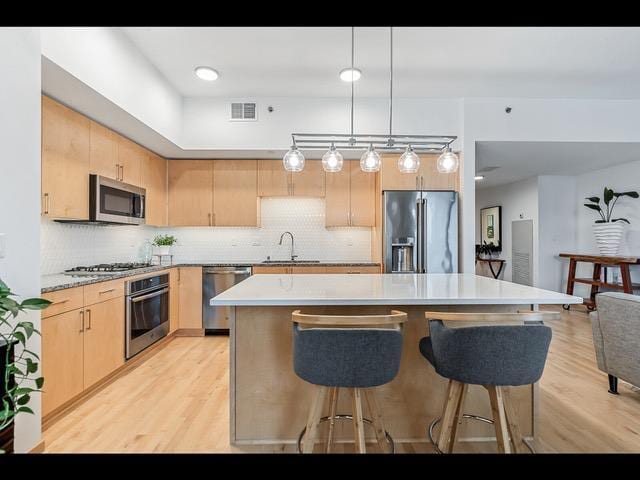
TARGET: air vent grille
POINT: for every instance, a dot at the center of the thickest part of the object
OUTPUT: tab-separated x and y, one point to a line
243	111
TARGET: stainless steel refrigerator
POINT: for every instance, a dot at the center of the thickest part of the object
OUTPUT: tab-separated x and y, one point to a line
420	231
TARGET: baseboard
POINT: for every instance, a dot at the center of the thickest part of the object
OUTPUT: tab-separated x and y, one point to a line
63	409
39	448
190	332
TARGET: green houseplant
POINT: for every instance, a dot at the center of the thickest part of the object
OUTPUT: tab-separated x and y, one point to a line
19	364
607	229
163	244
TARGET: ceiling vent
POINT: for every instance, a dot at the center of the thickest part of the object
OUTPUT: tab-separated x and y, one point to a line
244	112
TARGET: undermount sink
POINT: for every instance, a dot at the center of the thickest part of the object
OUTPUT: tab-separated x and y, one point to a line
291	261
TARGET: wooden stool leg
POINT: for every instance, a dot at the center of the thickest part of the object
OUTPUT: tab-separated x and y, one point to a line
376	418
314	418
627	286
597	276
358	423
458	416
333	404
499	418
512	421
448	417
571	279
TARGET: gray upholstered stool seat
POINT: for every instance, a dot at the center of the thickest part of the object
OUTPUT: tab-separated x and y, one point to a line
353	352
494	356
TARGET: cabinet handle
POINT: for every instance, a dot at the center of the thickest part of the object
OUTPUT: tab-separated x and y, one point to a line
46	203
421	182
81	321
117	171
209	216
60	302
89	315
121	172
106	291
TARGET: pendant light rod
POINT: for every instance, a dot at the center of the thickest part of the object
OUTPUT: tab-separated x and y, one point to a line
352	81
390	78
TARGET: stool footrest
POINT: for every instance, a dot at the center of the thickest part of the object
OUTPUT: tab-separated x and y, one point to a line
344	417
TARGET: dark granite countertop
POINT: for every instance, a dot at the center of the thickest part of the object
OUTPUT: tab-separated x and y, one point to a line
60	281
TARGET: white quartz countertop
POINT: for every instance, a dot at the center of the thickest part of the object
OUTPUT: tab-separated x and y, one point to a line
384	289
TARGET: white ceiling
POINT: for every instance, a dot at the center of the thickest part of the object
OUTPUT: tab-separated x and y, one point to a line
573	62
520	160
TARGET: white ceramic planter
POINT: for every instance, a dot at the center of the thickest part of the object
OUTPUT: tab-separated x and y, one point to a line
609	237
162	249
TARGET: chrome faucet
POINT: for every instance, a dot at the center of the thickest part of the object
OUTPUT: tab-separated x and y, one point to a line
293	257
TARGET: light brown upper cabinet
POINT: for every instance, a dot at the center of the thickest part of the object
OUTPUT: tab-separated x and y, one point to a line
191	192
350	197
103	154
275	181
154	180
65	162
427	177
235	193
310	181
131	156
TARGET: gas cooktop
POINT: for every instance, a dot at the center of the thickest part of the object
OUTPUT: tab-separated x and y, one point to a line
106	268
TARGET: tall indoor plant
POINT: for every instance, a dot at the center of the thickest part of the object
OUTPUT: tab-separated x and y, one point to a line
20	364
609	230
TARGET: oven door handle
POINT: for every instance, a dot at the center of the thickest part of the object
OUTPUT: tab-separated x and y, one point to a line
149	295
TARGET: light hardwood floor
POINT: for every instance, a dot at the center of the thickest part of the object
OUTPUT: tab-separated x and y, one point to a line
177	401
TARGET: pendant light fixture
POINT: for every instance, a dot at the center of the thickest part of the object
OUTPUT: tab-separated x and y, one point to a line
448	162
373	144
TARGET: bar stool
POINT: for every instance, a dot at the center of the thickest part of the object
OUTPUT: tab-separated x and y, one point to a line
352	352
494	356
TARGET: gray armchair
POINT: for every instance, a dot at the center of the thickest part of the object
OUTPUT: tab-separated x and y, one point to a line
616	337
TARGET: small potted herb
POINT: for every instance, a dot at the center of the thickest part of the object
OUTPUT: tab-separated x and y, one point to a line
163	243
608	230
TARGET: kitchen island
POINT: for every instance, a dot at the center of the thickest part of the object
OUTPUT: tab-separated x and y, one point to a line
269	403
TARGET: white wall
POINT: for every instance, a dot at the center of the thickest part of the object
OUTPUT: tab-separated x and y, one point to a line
65	246
519	201
557	212
620	178
20	191
106	60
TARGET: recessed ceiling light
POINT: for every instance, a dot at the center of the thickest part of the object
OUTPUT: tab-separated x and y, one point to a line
479	177
350	75
206	73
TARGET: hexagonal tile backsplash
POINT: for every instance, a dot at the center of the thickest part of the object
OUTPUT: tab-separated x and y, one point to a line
63	246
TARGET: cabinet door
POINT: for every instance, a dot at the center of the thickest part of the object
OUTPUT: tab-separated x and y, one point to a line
235	194
337	207
190	192
310	269
310	181
432	179
103	339
273	179
65	162
154	180
393	179
62	358
103	153
130	157
174	299
190	297
362	190
355	269
271	270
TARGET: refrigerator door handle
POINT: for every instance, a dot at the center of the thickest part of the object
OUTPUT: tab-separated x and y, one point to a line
425	224
418	267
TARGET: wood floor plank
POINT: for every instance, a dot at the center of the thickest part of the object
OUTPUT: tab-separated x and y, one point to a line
177	400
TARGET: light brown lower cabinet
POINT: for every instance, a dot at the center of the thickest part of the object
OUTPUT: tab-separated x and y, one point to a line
174	299
79	348
103	339
315	269
190	312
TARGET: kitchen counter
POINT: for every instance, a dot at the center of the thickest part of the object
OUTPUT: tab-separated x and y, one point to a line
385	289
60	281
266	394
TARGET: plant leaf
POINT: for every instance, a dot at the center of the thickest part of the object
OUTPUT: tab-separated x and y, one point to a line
35	304
627	194
621	220
608	195
23	400
593	207
593	199
25	410
32	367
601	221
39	382
20	336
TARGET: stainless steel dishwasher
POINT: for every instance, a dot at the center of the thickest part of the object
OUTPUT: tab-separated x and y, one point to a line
216	280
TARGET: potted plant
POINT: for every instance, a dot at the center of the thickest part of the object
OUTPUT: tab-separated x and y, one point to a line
486	250
608	230
18	363
163	243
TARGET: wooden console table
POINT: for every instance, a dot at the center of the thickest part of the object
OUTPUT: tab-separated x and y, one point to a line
491	261
596	281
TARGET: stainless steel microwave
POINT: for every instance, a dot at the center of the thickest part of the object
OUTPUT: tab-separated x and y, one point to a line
111	201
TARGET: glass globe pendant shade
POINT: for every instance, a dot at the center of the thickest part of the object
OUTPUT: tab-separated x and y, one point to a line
293	160
332	160
370	160
409	162
448	162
